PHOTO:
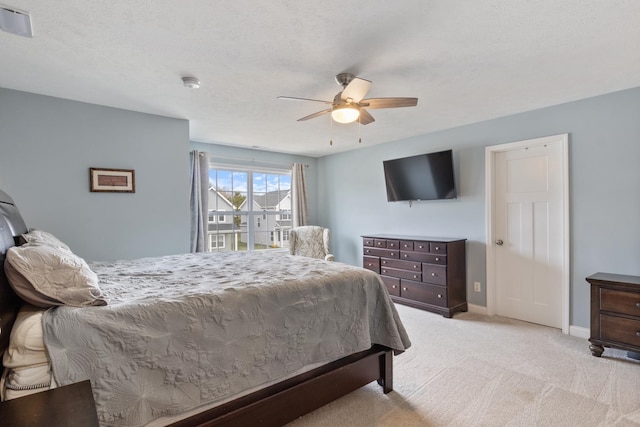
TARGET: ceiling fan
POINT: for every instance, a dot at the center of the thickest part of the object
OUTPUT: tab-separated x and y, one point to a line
348	105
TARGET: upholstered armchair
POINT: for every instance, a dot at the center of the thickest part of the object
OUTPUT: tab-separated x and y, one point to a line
311	241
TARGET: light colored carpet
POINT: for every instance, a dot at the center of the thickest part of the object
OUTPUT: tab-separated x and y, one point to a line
476	370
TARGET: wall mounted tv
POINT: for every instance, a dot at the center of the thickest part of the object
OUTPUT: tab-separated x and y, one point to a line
424	177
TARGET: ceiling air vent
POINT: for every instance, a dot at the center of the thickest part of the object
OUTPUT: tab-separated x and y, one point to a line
15	22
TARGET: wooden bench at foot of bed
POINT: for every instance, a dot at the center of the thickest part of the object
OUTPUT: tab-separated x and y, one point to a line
288	400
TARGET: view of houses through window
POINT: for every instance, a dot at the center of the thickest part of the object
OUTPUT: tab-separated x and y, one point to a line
248	209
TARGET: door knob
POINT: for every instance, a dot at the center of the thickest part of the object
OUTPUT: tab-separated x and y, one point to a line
499	242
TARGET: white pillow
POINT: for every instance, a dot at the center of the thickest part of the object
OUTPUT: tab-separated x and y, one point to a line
39	237
48	276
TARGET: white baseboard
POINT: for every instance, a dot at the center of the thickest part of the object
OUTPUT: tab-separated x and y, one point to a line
478	309
580	332
574	331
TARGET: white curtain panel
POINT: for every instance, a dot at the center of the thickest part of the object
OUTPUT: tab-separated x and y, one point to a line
199	199
300	211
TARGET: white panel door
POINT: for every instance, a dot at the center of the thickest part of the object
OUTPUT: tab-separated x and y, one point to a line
529	232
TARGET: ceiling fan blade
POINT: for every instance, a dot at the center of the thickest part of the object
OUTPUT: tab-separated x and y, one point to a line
304	99
365	118
356	89
389	102
314	115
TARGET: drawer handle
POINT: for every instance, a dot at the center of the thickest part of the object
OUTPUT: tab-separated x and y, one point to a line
415	277
370	264
433	274
638	304
392	254
437	248
367	251
406	255
420	246
393	286
439	295
638	334
415	266
384	271
437	259
404	289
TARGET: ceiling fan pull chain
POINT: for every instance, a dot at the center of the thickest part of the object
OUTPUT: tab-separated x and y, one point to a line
330	131
359	131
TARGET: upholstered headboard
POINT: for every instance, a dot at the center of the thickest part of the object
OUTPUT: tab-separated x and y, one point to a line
11	226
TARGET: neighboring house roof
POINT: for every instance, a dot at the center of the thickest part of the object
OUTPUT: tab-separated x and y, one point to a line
271	199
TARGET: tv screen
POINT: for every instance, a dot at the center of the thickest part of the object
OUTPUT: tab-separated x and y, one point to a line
424	177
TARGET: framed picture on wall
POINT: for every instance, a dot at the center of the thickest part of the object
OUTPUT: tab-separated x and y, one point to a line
112	180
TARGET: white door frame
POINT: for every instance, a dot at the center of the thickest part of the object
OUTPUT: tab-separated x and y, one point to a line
490	154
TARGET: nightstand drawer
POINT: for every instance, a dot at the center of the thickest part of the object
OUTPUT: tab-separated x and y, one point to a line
619	329
617	301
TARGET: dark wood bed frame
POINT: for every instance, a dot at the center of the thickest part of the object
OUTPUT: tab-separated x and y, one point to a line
273	406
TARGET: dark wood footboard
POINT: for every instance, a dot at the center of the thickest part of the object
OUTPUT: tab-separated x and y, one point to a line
288	400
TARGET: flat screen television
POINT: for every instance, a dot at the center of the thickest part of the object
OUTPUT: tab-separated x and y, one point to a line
424	177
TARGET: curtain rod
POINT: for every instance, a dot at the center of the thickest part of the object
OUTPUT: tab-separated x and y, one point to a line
252	160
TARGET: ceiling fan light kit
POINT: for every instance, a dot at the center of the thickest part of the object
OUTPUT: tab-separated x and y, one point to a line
345	114
349	106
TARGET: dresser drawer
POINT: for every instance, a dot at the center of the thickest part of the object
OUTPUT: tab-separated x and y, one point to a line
371	263
414	256
392	284
620	302
436	259
404	265
434	274
403	274
406	245
423	292
386	253
438	248
367	241
421	246
385	243
626	331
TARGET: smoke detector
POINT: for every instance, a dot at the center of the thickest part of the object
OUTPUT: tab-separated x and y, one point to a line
191	82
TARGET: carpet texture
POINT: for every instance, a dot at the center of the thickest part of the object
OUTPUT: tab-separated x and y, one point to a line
476	370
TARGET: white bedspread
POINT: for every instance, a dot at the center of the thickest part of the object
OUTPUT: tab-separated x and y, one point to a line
182	331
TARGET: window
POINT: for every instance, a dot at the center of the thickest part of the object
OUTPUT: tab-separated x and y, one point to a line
216	241
251	208
213	219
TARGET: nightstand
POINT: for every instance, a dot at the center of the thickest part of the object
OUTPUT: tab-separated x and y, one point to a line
67	406
615	312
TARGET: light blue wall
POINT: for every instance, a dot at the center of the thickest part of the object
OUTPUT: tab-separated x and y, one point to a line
46	148
604	157
258	158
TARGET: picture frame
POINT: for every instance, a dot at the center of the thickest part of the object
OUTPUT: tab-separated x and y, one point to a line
107	180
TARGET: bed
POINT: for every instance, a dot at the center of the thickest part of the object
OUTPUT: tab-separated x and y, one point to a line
254	338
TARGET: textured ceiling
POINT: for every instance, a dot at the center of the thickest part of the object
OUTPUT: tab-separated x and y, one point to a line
466	61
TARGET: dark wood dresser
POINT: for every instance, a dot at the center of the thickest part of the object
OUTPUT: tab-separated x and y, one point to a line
423	272
615	312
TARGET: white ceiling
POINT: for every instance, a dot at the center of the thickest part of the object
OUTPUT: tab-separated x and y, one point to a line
466	61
